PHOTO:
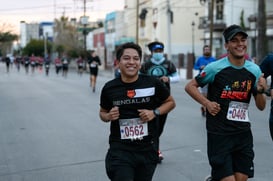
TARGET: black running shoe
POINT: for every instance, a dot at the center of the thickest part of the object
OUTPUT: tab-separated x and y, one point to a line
160	156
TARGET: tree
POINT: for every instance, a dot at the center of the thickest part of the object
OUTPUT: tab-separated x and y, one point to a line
261	26
36	47
60	49
242	23
6	38
66	35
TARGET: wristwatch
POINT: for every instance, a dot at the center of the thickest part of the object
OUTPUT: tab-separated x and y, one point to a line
156	112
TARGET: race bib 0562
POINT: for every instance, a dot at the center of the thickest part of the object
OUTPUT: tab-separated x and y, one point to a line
133	128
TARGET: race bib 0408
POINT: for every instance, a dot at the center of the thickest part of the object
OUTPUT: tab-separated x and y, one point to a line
238	111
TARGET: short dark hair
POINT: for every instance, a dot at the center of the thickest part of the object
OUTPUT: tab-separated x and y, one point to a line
124	46
206	46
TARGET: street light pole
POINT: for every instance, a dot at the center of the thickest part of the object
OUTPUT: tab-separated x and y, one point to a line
169	30
211	12
211	24
193	24
84	22
45	44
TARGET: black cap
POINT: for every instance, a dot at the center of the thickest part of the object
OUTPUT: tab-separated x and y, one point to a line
155	45
233	30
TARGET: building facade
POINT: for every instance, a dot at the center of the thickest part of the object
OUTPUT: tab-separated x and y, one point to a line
228	12
114	28
183	26
28	32
169	21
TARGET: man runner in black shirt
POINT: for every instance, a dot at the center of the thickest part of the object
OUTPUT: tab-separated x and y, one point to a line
132	104
231	82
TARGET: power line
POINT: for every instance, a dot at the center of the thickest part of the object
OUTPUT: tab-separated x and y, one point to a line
72	5
32	7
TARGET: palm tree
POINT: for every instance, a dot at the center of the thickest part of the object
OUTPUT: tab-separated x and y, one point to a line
66	35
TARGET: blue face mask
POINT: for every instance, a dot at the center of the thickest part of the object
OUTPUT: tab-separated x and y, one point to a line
158	56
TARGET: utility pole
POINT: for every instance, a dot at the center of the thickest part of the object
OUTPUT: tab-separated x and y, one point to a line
137	22
84	26
169	29
54	9
193	24
53	35
261	26
45	44
211	24
211	16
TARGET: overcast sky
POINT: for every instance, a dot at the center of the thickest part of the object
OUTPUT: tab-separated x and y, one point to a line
14	11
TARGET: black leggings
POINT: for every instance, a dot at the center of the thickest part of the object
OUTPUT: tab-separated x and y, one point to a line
124	165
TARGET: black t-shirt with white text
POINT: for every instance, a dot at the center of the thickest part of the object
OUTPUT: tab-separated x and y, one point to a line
146	92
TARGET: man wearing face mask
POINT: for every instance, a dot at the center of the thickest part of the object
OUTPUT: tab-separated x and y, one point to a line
164	70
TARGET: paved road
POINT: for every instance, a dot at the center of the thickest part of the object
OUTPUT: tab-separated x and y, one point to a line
50	131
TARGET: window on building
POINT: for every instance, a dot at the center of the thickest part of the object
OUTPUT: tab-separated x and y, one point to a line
219	9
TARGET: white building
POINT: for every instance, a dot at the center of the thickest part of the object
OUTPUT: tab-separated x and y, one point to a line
28	32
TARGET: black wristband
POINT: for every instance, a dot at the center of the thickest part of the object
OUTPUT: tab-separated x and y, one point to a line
259	91
256	91
267	92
